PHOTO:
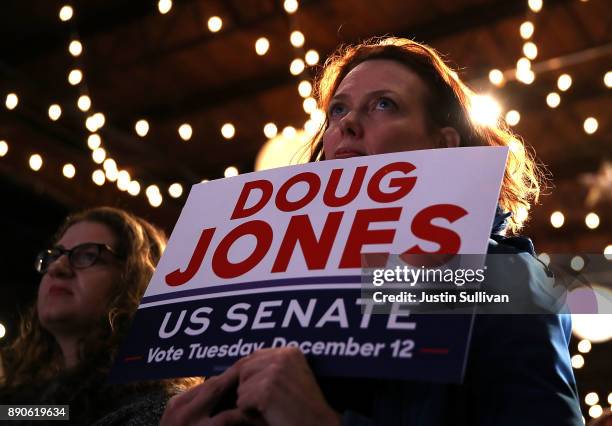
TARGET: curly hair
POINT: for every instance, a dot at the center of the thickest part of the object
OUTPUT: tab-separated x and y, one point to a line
140	246
448	104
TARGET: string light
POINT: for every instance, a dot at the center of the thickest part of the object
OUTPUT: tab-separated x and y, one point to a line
595	411
309	105
65	13
526	29
156	200
2	330
577	263
228	130
75	77
608	79
262	45
84	103
591	398
564	82
496	77
513	117
297	39
526	77
11	101
290	6
55	111
142	128
297	66
164	6
35	162
99	119
535	5
530	50
112	174
3	148
185	131
484	110
94	141
523	64
133	188
584	346
98	155
577	361
175	190
109	164
152	190
90	124
610	398
68	170
123	180
544	258
591	220
214	24
304	88
557	219
553	99
230	172
75	48
98	177
590	125
608	253
270	130
289	132
312	57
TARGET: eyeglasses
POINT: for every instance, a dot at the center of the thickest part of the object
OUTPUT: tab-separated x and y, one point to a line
80	257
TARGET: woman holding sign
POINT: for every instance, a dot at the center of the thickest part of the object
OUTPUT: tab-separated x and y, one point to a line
392	95
92	280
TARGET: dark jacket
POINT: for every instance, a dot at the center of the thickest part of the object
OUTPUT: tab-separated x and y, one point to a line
518	371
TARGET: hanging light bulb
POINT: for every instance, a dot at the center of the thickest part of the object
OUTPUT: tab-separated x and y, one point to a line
297	39
270	130
66	13
312	57
262	45
142	128
84	103
297	66
75	48
214	24
75	77
55	112
228	130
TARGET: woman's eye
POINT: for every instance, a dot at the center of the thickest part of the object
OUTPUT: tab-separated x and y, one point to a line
383	104
336	110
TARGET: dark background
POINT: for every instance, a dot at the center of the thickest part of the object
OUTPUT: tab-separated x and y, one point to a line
170	69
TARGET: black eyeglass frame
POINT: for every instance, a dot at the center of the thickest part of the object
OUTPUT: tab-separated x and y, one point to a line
57	252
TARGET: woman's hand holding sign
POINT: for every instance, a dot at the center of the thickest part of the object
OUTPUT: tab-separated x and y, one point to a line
279	385
274	387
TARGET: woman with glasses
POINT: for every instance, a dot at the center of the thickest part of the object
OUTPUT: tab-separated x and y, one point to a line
93	277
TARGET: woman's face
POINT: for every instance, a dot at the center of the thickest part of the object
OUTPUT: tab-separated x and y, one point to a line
70	300
379	107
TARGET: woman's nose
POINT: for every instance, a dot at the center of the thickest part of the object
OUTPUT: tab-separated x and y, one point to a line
351	125
60	267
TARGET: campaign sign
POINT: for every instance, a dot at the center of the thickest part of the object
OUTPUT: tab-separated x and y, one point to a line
274	259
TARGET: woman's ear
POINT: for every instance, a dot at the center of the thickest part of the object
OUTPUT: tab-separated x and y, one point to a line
449	137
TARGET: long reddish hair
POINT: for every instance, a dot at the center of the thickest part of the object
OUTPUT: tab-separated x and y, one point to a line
448	103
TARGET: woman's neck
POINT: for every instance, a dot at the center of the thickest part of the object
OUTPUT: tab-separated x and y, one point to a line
70	350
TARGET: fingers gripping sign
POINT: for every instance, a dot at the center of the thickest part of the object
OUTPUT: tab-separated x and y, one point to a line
279	385
197	405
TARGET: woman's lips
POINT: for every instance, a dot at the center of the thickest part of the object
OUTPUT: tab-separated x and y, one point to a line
56	290
347	153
